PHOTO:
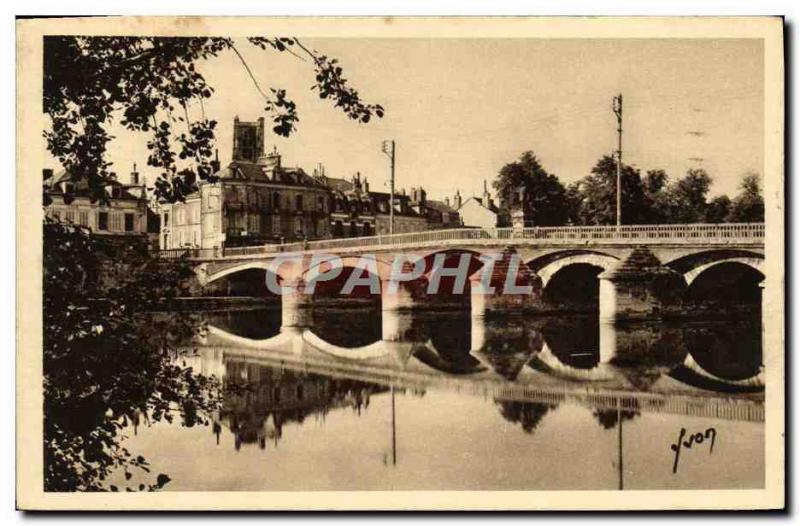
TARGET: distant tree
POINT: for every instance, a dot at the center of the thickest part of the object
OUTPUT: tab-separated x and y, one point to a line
657	205
718	209
748	205
598	195
688	197
527	414
609	418
543	196
655	181
147	84
574	198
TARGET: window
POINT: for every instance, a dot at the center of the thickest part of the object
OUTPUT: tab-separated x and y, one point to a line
298	202
166	218
84	217
69	215
367	229
298	225
129	222
116	222
231	217
276	201
254	223
102	221
276	225
320	203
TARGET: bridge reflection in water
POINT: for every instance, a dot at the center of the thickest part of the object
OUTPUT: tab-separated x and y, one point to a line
455	402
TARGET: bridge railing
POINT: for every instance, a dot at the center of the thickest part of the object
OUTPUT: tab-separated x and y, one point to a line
725	232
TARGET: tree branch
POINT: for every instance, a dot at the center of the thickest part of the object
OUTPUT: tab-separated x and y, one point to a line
249	72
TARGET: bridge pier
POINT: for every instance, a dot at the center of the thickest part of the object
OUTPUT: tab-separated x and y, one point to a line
477	298
477	333
608	341
639	288
393	323
293	301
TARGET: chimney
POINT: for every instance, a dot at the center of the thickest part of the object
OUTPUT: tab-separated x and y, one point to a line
134	176
447	201
457	200
487	197
366	186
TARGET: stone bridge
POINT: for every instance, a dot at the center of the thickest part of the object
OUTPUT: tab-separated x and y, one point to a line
644	271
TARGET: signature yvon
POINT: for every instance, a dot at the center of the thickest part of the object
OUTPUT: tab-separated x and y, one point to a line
687	442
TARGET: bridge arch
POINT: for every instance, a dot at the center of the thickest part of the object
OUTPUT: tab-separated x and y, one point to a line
753	262
691	266
233	269
552	266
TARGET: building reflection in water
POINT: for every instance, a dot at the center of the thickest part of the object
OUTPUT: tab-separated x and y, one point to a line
261	400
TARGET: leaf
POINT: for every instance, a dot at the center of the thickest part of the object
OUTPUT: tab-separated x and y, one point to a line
162	480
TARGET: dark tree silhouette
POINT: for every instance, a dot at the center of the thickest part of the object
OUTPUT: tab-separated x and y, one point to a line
748	206
597	193
109	358
608	418
718	209
526	414
527	184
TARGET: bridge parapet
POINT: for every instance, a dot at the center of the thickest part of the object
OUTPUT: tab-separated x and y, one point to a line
705	234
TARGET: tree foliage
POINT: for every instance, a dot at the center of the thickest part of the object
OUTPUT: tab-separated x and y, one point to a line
148	83
748	205
652	199
597	193
718	209
110	358
525	183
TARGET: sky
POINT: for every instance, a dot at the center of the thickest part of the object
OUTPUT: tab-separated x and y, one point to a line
460	109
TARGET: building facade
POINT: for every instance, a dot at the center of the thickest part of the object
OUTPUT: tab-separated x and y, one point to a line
437	214
125	212
356	211
479	212
255	200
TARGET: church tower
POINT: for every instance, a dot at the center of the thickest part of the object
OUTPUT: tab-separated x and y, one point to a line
248	140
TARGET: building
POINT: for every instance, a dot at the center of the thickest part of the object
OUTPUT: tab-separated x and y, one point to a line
125	212
438	214
356	211
478	212
253	201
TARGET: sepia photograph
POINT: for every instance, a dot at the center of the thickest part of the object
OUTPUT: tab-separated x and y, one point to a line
399	263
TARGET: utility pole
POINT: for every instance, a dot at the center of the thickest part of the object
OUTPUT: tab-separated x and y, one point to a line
388	148
617	107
